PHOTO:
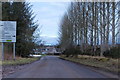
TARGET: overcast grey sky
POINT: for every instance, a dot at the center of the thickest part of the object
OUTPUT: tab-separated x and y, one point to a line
49	15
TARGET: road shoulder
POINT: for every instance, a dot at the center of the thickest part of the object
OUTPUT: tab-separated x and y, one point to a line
96	69
10	69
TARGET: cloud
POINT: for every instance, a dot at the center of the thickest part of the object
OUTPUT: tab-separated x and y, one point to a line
49	39
49	15
53	9
48	36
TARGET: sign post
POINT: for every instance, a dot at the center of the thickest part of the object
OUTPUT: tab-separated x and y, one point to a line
2	51
8	34
14	51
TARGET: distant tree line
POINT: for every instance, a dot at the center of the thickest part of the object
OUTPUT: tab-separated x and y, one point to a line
22	13
91	28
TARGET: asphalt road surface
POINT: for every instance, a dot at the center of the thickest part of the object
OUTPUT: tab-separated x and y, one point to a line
53	67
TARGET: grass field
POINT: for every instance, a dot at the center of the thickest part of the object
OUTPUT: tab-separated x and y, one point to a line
19	61
108	64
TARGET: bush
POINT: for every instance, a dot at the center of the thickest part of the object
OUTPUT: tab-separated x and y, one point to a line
113	52
72	51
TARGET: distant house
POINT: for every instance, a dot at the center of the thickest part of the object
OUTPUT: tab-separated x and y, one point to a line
49	50
37	51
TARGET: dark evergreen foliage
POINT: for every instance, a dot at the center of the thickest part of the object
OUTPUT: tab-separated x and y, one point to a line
22	13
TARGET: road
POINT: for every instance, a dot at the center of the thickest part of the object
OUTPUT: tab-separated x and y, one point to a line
53	67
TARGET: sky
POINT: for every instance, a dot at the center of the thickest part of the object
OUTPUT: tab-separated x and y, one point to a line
49	15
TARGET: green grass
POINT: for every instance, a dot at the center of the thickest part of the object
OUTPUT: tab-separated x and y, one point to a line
43	54
108	64
20	61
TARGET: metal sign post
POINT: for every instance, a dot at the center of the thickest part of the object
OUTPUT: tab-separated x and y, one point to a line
2	51
14	51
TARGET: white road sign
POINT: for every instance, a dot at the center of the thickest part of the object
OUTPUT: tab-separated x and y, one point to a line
7	31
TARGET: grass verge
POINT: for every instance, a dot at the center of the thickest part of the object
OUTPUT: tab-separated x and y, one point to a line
107	64
20	61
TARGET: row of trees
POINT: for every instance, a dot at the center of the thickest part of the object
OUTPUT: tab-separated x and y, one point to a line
93	27
26	25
